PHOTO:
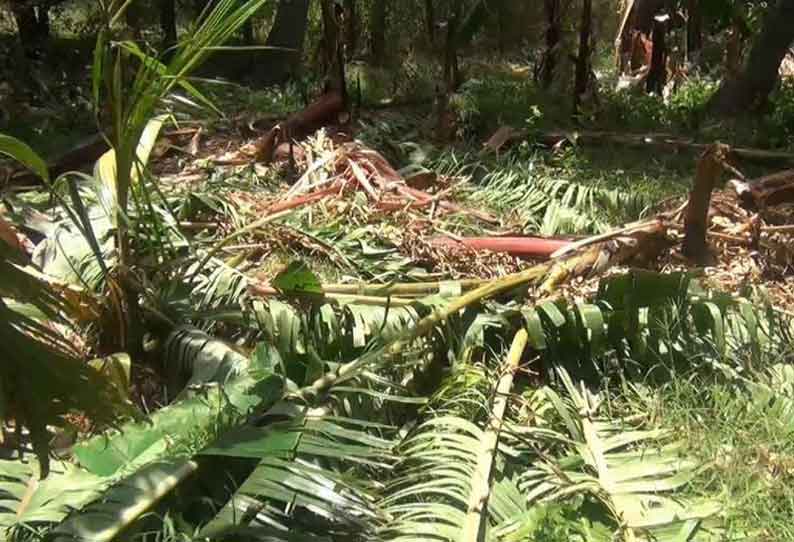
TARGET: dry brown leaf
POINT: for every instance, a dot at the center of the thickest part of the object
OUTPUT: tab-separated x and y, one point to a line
195	141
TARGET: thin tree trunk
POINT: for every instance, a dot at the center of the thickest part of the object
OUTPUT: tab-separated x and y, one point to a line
133	19
696	221
168	25
334	56
430	20
351	28
657	75
750	90
733	53
582	80
445	126
694	30
287	35
378	32
501	17
451	68
621	56
33	24
553	35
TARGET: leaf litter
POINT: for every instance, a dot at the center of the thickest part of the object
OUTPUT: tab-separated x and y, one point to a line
342	184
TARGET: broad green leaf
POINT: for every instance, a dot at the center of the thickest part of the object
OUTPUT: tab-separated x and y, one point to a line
534	326
593	322
708	317
25	155
297	278
553	313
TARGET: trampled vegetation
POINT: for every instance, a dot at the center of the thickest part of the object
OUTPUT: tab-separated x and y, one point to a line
431	270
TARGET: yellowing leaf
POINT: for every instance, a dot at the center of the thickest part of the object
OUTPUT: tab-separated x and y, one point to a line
105	170
116	368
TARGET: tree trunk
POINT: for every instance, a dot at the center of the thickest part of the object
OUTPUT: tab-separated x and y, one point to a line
334	56
168	26
501	19
696	221
621	51
288	34
733	53
553	35
378	32
445	117
694	30
33	24
430	21
350	14
133	18
582	80
451	69
657	75
749	91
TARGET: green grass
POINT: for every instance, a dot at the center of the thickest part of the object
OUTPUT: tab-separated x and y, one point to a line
733	413
496	95
575	191
751	451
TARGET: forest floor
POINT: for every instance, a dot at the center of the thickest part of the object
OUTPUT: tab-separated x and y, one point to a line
378	201
526	189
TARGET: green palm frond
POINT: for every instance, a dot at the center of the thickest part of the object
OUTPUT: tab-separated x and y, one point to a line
43	378
428	499
76	248
308	479
646	317
31	505
553	206
773	395
634	473
452	482
233	389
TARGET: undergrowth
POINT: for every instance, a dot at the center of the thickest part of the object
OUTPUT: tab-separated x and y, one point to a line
743	428
733	412
572	192
483	104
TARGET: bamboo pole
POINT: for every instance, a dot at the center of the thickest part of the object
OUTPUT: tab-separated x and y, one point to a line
407	289
347	299
477	512
619	37
778	229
